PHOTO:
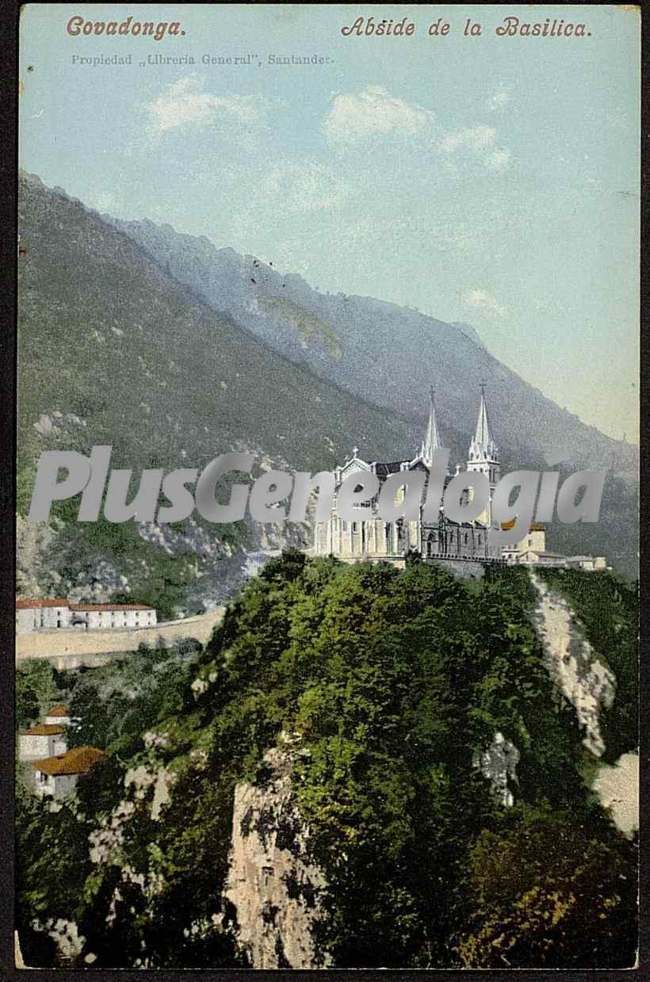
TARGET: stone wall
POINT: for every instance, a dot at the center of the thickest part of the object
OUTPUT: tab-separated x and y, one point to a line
74	649
464	568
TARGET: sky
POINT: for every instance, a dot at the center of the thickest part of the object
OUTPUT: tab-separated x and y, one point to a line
491	180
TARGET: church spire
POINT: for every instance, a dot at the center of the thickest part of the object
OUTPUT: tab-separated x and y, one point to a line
482	437
483	447
484	455
431	442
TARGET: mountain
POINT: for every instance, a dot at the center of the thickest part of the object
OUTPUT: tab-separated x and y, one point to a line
113	350
173	351
384	353
390	355
110	337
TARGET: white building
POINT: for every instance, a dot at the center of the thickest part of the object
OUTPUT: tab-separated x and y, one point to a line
35	615
372	538
42	740
532	551
32	615
58	715
101	616
590	564
57	776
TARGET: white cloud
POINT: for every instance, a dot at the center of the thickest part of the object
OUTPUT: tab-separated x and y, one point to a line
304	198
485	301
477	138
499	100
354	117
303	187
184	102
479	142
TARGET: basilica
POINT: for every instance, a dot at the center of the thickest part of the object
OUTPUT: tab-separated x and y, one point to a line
372	538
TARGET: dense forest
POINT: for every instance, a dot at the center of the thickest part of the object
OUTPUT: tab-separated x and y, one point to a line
386	687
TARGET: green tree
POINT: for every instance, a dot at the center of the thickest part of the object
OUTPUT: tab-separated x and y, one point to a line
35	690
550	893
389	685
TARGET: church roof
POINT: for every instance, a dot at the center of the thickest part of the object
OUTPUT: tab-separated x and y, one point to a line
482	445
384	468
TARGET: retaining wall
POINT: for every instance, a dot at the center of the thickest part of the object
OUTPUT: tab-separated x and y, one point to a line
68	648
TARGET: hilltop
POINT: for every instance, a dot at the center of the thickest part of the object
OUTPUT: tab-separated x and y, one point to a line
362	768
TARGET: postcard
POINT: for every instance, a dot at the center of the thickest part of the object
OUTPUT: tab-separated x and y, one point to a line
327	487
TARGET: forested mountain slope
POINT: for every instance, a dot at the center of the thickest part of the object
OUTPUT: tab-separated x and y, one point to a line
364	768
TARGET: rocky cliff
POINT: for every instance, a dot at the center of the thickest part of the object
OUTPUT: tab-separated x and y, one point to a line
574	667
363	768
273	883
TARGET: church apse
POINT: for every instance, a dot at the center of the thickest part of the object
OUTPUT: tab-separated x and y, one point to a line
371	538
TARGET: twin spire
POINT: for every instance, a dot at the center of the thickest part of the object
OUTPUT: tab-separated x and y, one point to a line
482	444
431	442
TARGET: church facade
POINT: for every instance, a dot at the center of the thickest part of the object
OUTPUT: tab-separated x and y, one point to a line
371	538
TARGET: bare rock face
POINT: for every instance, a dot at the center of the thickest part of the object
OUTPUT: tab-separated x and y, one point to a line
573	665
18	955
65	934
272	883
498	763
617	787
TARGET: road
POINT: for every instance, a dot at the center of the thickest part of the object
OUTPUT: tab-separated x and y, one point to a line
68	648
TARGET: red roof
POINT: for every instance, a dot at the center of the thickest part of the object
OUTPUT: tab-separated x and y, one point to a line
58	710
45	729
110	607
24	603
79	760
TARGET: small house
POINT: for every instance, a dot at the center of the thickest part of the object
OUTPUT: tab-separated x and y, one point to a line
58	715
539	557
42	740
57	776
